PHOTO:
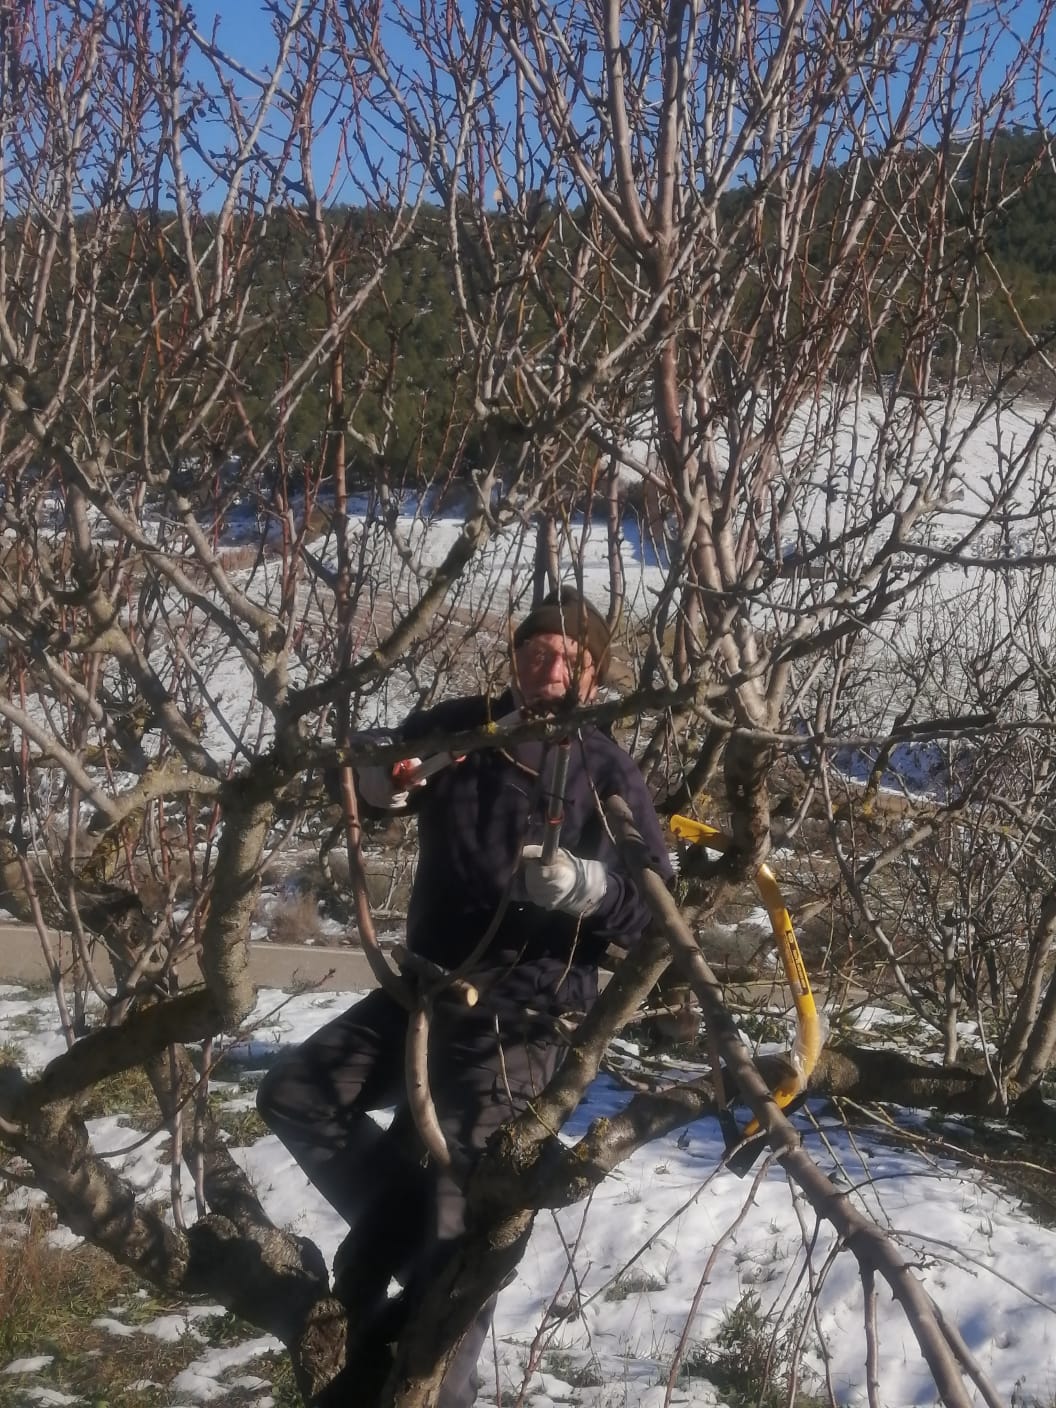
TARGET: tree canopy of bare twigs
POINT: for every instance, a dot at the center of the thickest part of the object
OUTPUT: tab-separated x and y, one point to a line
718	274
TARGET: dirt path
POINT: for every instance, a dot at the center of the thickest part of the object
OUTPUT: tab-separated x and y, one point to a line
271	965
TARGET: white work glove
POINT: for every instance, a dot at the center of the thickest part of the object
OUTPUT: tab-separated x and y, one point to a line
569	883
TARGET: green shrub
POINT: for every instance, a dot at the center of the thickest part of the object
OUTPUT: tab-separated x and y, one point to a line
750	1364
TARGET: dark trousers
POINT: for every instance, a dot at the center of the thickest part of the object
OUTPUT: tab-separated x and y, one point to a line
404	1214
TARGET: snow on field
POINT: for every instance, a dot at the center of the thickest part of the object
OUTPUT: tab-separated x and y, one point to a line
643	1244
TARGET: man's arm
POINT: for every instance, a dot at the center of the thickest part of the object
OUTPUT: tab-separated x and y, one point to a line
624	916
387	788
600	890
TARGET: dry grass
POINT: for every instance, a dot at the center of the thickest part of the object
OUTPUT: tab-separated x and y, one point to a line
48	1299
129	1093
294	919
239	559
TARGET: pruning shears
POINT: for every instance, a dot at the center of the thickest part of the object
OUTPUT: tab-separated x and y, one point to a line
555	800
412	772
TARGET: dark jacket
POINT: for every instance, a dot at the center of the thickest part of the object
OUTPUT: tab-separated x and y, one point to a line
473	819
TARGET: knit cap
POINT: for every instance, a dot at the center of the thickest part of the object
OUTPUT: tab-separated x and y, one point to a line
566	612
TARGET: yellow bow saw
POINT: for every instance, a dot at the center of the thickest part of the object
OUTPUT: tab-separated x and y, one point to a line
810	1032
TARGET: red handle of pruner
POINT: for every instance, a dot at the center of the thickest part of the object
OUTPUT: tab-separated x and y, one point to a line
405	773
551	838
411	772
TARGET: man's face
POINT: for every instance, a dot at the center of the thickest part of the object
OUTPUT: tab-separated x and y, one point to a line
551	670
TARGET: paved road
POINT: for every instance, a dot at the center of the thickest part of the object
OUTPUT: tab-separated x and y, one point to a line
271	965
297	965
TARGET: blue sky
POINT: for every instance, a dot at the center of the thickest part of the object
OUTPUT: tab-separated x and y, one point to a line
244	30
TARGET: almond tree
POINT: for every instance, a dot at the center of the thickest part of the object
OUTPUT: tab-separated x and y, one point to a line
733	258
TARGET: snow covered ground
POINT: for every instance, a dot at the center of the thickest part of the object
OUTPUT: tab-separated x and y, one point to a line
666	1221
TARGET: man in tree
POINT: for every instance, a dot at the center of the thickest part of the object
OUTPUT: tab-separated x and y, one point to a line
535	931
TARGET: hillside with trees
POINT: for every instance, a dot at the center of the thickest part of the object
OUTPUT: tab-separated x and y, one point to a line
407	365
